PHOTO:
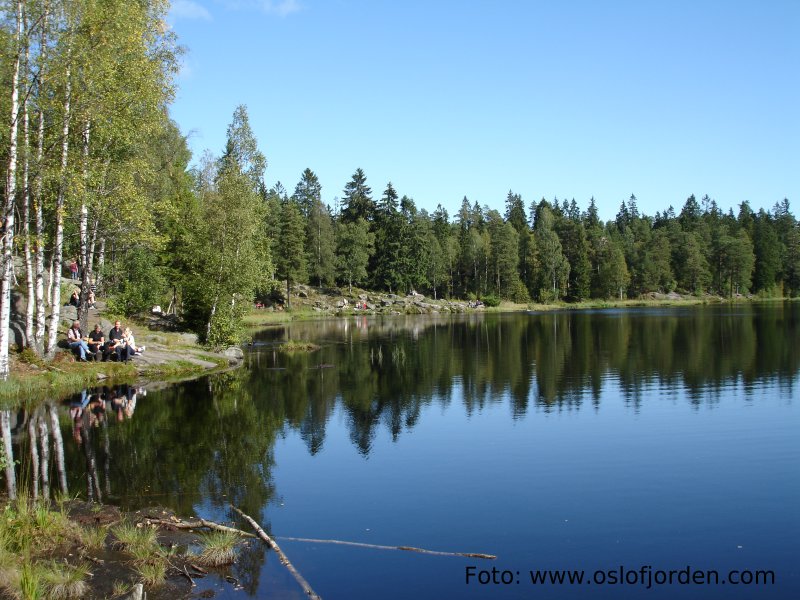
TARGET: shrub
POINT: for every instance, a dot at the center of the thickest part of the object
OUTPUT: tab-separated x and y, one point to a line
491	300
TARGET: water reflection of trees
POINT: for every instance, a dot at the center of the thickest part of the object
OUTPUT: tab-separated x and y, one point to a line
212	440
387	370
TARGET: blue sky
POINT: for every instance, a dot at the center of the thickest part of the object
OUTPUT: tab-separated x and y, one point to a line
448	99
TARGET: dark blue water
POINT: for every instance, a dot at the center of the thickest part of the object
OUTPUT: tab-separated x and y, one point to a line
666	439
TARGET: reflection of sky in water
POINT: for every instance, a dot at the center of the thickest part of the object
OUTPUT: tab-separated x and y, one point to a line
713	486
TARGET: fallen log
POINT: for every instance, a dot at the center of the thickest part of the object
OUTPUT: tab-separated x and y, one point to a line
197	524
281	556
379	547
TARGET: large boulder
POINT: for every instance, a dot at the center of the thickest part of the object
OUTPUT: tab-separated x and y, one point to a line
234	353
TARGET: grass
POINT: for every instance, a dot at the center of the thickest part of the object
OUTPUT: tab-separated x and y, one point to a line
219	548
64	582
31	529
60	378
262	318
120	588
140	542
31	532
94	538
142	545
297	346
152	573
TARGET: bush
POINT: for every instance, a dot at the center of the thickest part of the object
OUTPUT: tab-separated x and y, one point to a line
491	300
137	283
519	293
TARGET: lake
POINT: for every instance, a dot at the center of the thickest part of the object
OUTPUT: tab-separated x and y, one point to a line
622	443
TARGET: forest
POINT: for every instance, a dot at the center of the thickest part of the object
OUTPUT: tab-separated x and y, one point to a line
97	172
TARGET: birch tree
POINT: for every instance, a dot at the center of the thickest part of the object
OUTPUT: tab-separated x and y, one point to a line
9	205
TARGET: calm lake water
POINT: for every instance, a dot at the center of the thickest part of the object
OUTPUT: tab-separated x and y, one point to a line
591	441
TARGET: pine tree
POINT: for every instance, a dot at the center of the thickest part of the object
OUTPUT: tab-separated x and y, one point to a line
307	192
515	212
614	276
290	261
357	199
767	249
389	242
575	246
354	247
554	267
321	245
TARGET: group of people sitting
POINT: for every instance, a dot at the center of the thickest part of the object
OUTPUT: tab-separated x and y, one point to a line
75	299
120	343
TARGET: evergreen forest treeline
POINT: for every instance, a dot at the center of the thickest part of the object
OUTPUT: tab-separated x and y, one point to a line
97	172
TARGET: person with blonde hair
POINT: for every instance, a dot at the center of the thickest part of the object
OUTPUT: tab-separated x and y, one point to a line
131	341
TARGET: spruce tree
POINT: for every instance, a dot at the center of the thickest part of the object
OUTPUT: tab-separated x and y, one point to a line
358	203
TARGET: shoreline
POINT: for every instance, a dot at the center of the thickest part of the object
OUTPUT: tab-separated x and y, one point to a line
393	305
177	356
169	357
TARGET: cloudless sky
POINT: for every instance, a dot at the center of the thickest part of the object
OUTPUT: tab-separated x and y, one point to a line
446	99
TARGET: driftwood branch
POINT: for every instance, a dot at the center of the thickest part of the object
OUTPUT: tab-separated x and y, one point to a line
189	577
378	547
281	556
197	524
137	593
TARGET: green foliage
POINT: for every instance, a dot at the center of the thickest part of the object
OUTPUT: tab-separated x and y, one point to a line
491	300
357	201
554	267
227	325
137	282
290	258
614	276
227	252
354	248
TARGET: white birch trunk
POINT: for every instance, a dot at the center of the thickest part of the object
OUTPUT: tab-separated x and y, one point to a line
33	439
26	211
58	447
44	457
58	247
83	306
39	332
8	450
92	245
216	297
49	291
101	262
9	208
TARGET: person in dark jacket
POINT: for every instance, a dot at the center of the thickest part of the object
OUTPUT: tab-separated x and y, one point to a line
117	344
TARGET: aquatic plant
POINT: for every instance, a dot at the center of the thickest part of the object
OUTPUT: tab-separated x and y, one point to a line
218	548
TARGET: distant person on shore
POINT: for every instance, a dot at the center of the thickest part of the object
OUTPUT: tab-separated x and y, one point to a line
73	269
116	340
76	341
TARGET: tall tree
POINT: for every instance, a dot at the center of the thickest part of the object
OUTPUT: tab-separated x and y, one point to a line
358	203
389	242
767	248
9	205
355	245
554	267
614	276
290	261
229	250
307	192
320	245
